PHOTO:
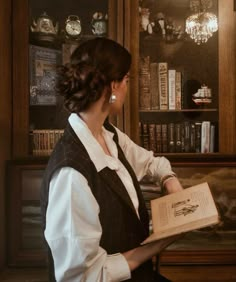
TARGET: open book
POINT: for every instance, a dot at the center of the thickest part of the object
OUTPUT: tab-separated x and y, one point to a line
183	211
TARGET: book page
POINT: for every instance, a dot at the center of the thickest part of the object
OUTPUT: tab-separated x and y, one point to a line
183	211
183	207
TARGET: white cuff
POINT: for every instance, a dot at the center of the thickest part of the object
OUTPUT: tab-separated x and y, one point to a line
117	267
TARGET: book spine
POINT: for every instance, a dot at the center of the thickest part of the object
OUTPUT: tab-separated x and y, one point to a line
178	139
144	84
205	134
145	136
186	136
171	89
212	138
163	85
152	137
164	138
158	138
192	137
154	91
171	137
198	129
178	90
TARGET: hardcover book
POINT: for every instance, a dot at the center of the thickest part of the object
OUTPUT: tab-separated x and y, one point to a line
190	209
178	90
144	83
171	89
154	91
163	85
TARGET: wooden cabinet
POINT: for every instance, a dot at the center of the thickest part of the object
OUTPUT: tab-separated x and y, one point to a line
24	115
124	26
221	73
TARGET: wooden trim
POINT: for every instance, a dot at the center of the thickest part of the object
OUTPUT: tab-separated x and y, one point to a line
116	30
227	75
20	125
5	112
131	42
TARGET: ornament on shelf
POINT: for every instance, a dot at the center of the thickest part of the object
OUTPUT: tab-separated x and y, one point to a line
202	96
44	29
99	24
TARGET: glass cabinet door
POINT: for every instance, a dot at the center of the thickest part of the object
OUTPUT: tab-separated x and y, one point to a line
56	29
178	77
45	33
183	97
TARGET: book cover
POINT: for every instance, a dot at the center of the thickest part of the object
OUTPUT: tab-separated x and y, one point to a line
190	209
42	67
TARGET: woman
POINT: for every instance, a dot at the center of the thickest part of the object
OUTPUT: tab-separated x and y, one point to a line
93	210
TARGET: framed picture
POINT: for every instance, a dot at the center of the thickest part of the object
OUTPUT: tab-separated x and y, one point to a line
216	244
43	62
25	245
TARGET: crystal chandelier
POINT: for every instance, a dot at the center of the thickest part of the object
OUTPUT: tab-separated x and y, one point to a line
201	25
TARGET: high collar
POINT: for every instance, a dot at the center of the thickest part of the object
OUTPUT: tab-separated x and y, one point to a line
93	148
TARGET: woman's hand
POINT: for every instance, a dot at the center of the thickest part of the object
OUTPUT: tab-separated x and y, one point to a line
139	255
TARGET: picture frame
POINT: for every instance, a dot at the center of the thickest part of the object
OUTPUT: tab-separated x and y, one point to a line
216	244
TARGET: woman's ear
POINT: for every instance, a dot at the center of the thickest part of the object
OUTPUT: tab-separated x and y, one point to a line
114	86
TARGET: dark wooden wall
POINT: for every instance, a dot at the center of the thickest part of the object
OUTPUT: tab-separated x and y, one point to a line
5	112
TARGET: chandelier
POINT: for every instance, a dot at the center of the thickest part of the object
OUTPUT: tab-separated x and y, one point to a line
201	25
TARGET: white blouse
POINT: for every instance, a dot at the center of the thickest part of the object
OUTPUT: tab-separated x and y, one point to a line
73	229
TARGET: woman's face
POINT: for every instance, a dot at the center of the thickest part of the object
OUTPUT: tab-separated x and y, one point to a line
120	91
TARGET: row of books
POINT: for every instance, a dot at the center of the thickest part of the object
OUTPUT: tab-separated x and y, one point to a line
43	141
160	87
182	137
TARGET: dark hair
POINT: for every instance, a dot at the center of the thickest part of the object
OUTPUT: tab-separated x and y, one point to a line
93	66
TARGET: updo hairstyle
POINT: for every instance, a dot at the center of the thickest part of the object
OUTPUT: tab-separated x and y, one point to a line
93	66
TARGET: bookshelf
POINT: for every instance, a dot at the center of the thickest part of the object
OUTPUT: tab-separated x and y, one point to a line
198	64
45	114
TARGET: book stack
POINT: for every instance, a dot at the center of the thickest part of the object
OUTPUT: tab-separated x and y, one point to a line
180	137
43	141
160	87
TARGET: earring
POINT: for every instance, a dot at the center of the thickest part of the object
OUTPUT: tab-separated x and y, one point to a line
112	98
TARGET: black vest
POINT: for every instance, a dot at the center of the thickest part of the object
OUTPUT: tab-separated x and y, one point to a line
122	230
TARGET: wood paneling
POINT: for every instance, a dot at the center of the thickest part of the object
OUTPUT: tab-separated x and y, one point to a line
183	273
5	111
227	76
20	78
